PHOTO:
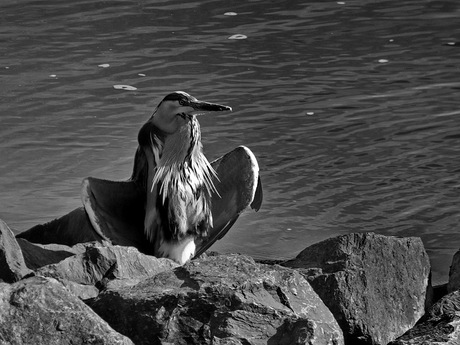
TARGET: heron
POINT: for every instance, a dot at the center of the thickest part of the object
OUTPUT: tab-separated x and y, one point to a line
176	203
180	180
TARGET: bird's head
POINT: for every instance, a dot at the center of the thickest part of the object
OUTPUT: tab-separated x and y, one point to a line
178	108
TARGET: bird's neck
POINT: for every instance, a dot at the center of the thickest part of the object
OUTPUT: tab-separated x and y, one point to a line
182	157
180	147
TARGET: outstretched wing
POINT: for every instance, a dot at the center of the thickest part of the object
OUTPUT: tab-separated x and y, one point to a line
115	211
239	186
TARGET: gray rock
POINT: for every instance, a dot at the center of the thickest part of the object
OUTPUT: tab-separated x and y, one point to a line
12	265
441	324
40	310
87	273
374	285
226	299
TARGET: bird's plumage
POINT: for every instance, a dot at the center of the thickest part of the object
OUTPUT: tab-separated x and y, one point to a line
180	181
174	197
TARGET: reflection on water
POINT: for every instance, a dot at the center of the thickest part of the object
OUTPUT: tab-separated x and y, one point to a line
351	108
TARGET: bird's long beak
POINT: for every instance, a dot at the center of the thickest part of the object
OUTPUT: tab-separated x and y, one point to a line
206	106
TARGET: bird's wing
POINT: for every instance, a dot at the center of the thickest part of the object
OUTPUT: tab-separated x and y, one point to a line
115	210
238	187
70	229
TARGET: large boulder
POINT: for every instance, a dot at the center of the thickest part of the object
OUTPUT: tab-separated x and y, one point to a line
374	285
226	299
87	273
40	310
12	264
440	325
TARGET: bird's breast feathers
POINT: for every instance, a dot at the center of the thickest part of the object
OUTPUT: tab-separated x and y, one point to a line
185	189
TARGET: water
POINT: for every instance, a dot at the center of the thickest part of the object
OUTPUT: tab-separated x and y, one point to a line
353	109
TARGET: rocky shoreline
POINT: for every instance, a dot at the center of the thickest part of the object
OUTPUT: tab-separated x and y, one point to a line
354	289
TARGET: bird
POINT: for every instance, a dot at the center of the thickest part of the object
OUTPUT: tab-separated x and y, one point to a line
176	203
180	181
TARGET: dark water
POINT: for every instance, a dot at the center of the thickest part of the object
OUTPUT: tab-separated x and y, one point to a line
353	109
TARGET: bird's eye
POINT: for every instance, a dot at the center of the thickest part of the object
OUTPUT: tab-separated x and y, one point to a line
182	102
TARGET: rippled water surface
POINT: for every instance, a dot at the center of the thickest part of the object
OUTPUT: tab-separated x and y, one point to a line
352	108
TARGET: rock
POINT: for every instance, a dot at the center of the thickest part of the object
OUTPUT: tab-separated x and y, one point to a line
39	255
454	273
40	310
226	299
87	273
374	285
12	265
441	324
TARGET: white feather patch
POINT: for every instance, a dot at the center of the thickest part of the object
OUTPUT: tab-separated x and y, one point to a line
254	167
180	252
